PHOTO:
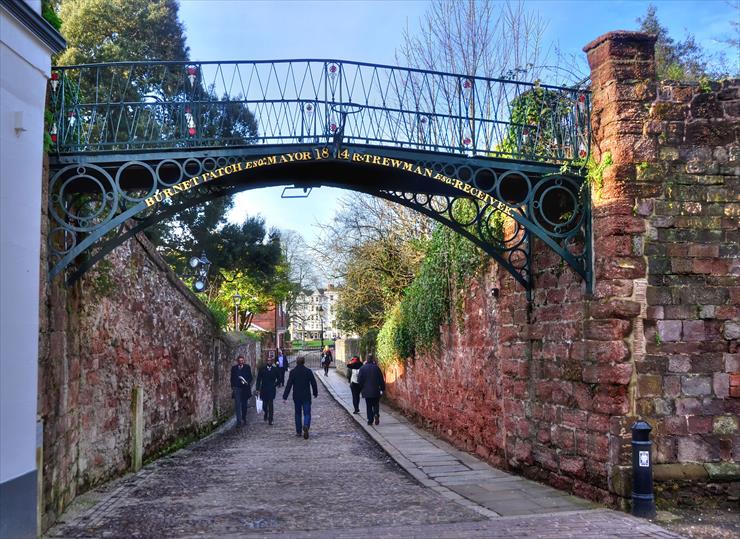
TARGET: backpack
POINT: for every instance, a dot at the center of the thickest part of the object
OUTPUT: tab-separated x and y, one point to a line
355	376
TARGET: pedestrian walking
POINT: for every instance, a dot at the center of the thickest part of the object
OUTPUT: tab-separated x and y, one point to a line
372	385
301	380
241	389
268	378
282	364
326	360
353	374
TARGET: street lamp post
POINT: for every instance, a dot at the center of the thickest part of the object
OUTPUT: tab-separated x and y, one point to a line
321	321
237	300
200	267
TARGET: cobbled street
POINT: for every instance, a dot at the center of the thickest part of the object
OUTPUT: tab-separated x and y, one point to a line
262	478
263	481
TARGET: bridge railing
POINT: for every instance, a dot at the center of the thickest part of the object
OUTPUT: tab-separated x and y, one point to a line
170	105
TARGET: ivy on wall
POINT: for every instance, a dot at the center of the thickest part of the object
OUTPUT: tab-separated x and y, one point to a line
433	297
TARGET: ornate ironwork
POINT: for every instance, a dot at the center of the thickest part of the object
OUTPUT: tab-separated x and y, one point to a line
98	204
144	106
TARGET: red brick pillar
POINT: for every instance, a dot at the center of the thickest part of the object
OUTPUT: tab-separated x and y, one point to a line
623	84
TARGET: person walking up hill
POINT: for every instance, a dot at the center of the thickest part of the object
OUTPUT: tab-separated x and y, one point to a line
301	380
268	379
353	373
372	385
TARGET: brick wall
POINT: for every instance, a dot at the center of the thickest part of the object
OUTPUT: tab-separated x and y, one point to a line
551	389
129	323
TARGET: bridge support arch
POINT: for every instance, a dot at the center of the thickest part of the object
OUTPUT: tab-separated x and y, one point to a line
498	204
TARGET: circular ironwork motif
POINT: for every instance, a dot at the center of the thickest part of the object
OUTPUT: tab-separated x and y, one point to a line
125	190
62	240
82	197
192	167
556	206
514	187
496	227
485	180
160	172
464	211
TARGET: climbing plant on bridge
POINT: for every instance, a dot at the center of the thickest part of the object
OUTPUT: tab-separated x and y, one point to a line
538	117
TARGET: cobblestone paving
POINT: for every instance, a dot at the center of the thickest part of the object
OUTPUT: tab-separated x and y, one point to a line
264	478
262	481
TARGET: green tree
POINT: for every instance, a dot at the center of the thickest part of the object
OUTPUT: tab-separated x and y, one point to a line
377	246
682	60
244	249
100	31
121	30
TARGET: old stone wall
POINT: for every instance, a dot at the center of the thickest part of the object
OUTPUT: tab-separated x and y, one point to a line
685	384
128	326
551	388
344	349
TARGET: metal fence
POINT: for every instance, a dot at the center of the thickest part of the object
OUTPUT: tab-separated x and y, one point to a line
169	105
312	355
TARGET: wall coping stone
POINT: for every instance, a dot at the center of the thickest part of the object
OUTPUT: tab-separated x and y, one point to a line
679	471
620	35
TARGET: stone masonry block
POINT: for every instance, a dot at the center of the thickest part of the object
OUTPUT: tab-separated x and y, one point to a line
669	330
721	384
615	308
649	385
607	330
694	449
696	386
731	330
609	374
700	424
726	425
735	385
694	330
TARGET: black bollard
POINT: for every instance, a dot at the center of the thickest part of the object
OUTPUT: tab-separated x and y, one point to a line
643	500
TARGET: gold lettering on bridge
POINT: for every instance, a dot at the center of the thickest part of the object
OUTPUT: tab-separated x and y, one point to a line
322	153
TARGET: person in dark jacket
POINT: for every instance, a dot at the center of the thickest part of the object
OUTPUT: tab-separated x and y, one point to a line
372	386
301	380
282	365
353	371
268	379
326	359
241	385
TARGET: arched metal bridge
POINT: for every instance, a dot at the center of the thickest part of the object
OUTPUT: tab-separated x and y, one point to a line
134	143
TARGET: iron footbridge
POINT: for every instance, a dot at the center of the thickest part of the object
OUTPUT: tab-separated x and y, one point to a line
499	161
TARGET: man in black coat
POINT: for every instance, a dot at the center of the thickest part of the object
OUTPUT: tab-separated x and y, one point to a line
268	379
282	365
302	381
241	385
372	386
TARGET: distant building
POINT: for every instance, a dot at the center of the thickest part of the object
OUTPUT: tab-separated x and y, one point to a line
272	322
306	318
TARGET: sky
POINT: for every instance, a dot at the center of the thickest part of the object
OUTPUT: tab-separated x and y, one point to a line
371	31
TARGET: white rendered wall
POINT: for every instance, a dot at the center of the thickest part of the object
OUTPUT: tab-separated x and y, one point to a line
24	69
